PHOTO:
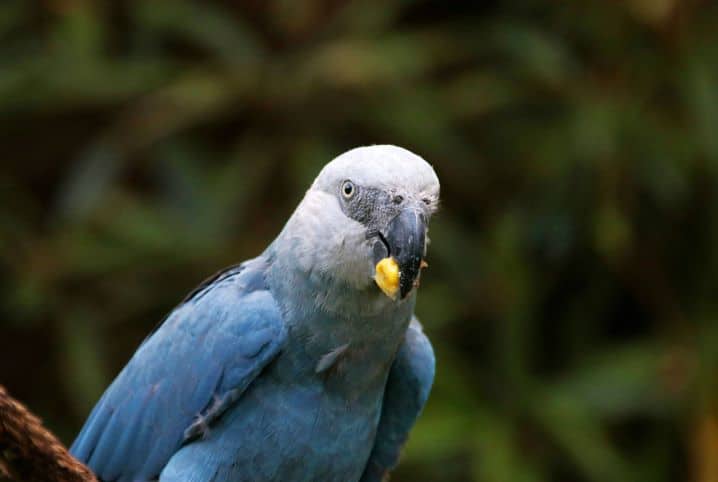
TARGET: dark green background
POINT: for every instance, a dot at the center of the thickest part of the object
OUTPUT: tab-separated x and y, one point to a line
571	296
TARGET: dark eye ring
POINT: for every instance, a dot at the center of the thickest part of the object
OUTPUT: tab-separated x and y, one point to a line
348	189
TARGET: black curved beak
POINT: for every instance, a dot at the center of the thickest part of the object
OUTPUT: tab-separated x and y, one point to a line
406	238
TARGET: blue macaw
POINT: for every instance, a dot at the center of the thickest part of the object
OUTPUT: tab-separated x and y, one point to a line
303	364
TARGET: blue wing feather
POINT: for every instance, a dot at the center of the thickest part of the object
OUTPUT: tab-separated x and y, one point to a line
184	376
407	390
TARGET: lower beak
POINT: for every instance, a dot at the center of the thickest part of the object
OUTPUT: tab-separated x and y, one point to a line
405	238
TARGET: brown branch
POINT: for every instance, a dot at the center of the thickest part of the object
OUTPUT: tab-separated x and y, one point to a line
29	452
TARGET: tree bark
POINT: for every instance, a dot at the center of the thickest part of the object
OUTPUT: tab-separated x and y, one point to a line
29	452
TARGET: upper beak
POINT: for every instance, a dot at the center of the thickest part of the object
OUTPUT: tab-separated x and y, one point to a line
405	237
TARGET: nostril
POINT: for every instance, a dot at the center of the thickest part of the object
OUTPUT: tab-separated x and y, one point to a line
398	199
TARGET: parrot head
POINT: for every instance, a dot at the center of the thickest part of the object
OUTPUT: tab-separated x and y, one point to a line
365	220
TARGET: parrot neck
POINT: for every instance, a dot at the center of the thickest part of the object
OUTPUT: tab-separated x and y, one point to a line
354	332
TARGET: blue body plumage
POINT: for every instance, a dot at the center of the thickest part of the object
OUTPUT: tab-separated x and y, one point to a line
278	369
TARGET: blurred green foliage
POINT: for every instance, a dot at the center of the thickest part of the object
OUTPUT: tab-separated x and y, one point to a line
571	296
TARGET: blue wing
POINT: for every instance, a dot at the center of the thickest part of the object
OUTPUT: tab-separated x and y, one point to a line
407	390
184	376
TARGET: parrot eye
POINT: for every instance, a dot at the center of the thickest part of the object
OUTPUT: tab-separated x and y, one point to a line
348	189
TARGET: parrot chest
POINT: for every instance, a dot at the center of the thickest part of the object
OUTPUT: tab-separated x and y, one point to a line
311	415
297	431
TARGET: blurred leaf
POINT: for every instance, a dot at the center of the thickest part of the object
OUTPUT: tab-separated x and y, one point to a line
88	181
210	26
702	100
618	382
498	454
82	357
579	433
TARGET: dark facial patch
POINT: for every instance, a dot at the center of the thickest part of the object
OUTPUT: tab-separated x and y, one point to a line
370	206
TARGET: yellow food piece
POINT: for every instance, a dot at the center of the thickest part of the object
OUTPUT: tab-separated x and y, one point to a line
387	277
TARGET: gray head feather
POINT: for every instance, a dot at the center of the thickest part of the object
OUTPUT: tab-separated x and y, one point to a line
384	167
327	241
